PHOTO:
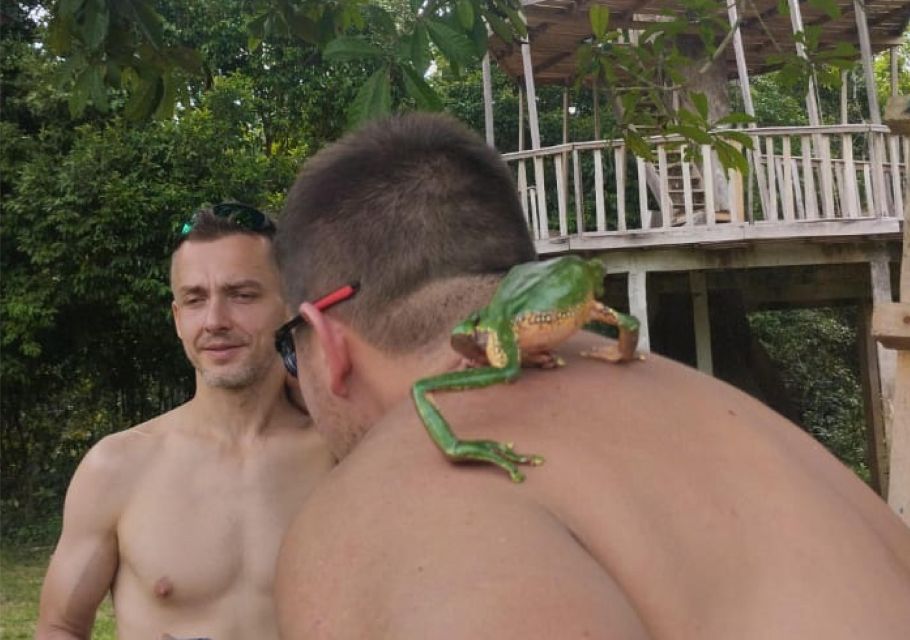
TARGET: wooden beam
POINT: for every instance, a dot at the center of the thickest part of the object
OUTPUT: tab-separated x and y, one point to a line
891	325
553	60
627	15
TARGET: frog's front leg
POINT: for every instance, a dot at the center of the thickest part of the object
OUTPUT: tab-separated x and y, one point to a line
624	349
500	454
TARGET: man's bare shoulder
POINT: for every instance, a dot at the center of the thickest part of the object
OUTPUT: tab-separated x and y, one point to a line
437	550
118	458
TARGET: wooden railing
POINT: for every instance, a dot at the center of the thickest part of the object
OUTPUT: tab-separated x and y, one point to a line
795	174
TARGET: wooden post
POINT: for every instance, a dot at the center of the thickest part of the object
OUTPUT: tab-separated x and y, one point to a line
891	327
699	292
638	307
844	119
579	197
742	70
522	169
870	377
796	19
880	279
876	144
534	124
893	52
488	100
596	93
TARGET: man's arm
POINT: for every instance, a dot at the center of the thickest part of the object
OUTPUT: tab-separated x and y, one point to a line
83	565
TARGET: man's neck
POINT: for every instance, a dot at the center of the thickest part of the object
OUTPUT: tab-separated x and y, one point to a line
236	415
392	376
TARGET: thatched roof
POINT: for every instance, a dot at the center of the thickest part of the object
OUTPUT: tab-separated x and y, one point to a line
557	27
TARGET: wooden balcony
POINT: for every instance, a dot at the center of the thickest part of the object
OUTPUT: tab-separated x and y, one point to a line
830	183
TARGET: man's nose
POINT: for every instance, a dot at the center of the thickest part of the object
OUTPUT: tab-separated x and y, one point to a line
217	317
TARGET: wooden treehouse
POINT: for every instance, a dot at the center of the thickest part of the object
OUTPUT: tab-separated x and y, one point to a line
817	219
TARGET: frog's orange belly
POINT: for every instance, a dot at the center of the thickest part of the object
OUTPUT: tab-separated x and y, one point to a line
542	330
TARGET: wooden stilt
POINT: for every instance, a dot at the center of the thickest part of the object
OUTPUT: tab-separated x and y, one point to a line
876	143
699	292
891	327
534	125
880	279
488	100
638	307
742	71
876	442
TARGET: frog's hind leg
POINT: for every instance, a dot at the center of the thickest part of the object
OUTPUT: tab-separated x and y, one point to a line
504	353
624	349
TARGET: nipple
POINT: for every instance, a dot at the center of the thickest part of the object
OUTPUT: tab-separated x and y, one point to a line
163	587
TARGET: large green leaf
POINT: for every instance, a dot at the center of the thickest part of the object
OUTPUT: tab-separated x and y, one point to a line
454	45
518	24
80	93
373	99
418	89
59	35
165	108
144	99
465	11
830	7
96	87
599	14
95	24
498	25
347	48
69	7
420	48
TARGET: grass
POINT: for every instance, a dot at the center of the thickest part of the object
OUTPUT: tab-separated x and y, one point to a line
21	572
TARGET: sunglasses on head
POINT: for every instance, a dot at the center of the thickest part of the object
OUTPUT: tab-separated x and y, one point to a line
242	215
284	336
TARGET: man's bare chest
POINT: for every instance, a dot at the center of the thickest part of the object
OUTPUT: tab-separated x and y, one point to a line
199	533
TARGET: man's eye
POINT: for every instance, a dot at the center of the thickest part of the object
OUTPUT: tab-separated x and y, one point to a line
245	296
192	302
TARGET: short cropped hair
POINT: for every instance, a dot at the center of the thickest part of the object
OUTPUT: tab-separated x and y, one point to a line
206	226
397	205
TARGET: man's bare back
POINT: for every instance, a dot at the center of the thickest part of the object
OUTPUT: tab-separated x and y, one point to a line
670	506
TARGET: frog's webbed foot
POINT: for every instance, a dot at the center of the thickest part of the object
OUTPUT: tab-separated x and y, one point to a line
498	453
542	359
624	349
502	455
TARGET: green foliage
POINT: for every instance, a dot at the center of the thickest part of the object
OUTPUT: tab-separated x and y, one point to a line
89	213
644	77
815	350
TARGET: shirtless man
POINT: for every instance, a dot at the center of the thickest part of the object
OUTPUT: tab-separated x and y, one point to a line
670	505
181	517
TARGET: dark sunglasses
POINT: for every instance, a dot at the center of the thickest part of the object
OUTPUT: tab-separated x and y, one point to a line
284	336
242	215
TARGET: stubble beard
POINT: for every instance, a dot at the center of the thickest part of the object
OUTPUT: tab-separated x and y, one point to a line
242	377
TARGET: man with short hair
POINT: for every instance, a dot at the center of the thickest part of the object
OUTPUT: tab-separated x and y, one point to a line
670	505
181	517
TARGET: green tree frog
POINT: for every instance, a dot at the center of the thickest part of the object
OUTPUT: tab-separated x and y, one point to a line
537	306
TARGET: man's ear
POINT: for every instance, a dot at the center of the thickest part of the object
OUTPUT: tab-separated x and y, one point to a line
175	311
330	336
